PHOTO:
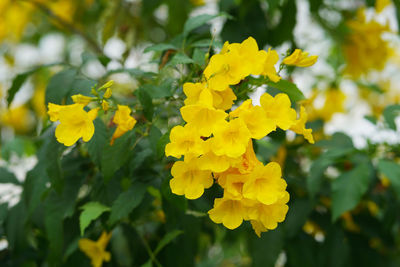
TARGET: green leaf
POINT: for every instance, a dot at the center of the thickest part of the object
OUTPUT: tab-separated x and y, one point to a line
113	157
127	201
60	85
7	177
265	250
348	189
195	22
288	88
179	58
390	113
159	47
318	167
90	211
146	102
199	57
18	81
392	171
158	91
167	239
99	140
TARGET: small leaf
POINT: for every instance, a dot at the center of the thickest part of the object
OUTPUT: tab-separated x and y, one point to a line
195	22
199	57
348	189
167	239
99	140
59	86
113	157
159	47
318	167
179	58
7	177
390	113
18	81
146	102
127	201
90	211
288	88
392	171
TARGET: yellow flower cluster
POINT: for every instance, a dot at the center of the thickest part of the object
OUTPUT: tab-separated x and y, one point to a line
217	144
75	122
365	49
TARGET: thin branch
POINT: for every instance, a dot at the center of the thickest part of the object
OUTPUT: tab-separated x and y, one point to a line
67	25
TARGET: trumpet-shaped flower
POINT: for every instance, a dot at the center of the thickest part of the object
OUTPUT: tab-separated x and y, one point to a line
204	118
96	250
75	123
189	180
271	58
124	121
300	126
214	163
230	138
269	215
265	184
54	111
229	212
224	70
223	99
252	58
300	59
255	119
278	109
184	140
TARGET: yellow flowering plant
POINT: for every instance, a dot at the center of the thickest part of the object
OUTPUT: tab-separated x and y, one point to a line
199	133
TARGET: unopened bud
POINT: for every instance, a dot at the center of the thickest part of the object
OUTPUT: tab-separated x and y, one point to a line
107	93
81	99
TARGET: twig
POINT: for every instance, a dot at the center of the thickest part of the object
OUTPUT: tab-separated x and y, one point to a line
67	25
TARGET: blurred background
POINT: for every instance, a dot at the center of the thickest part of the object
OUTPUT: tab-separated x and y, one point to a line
352	98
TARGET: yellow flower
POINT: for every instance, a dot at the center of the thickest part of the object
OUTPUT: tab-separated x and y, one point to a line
265	184
17	118
105	105
252	59
255	119
107	93
81	99
224	70
269	215
96	251
203	117
300	59
75	123
198	93
278	109
334	103
38	101
184	141
269	70
364	48
232	181
230	138
124	121
300	126
214	163
228	212
381	4
189	180
54	111
248	161
223	99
